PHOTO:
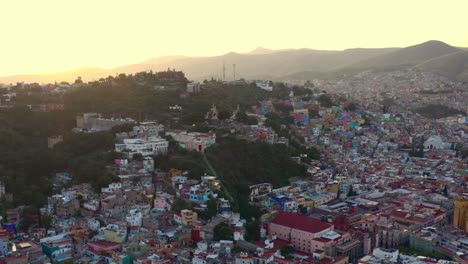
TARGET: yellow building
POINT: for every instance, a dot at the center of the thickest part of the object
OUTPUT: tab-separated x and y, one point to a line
115	235
460	214
333	187
175	172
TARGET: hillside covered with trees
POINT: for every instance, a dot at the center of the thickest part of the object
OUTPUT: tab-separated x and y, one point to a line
27	165
437	111
239	164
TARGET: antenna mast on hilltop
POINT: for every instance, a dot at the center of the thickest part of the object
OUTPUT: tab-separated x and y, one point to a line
224	71
234	69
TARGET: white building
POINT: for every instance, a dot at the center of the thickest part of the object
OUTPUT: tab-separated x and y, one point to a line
435	142
178	182
115	186
316	131
148	128
134	218
290	205
193	87
94	224
145	146
326	140
144	208
92	205
194	140
265	85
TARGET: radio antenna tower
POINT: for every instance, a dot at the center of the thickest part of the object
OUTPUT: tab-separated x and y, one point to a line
234	69
224	71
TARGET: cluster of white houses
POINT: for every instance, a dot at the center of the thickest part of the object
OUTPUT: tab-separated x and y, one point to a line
145	146
155	145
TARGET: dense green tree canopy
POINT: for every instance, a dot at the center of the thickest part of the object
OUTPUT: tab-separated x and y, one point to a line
437	111
239	164
223	231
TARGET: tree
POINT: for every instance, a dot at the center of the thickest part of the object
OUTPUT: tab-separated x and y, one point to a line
280	91
302	209
437	111
92	234
445	191
464	153
224	114
325	101
222	231
313	113
285	109
301	91
180	204
274	121
351	191
210	211
78	80
127	127
313	153
350	107
102	223
256	162
309	84
287	251
138	157
46	221
29	217
242	117
421	147
252	231
417	153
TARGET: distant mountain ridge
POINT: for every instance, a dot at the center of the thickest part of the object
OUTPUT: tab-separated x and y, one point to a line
300	64
408	56
453	65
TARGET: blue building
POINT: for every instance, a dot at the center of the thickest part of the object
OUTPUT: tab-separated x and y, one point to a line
200	194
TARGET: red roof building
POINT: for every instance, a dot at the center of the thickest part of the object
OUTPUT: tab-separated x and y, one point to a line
300	222
299	229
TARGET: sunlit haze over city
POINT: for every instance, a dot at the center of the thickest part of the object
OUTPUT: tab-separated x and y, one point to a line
55	35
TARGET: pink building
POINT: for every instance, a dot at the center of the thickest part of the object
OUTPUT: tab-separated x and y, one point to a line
161	205
299	229
103	247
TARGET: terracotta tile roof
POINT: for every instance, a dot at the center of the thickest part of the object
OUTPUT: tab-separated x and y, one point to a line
300	222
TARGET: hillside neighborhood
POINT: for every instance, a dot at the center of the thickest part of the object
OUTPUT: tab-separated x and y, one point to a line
371	176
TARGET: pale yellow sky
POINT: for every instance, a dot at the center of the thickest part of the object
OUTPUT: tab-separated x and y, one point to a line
55	35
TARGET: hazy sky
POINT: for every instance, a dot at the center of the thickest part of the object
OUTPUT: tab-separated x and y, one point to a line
56	35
